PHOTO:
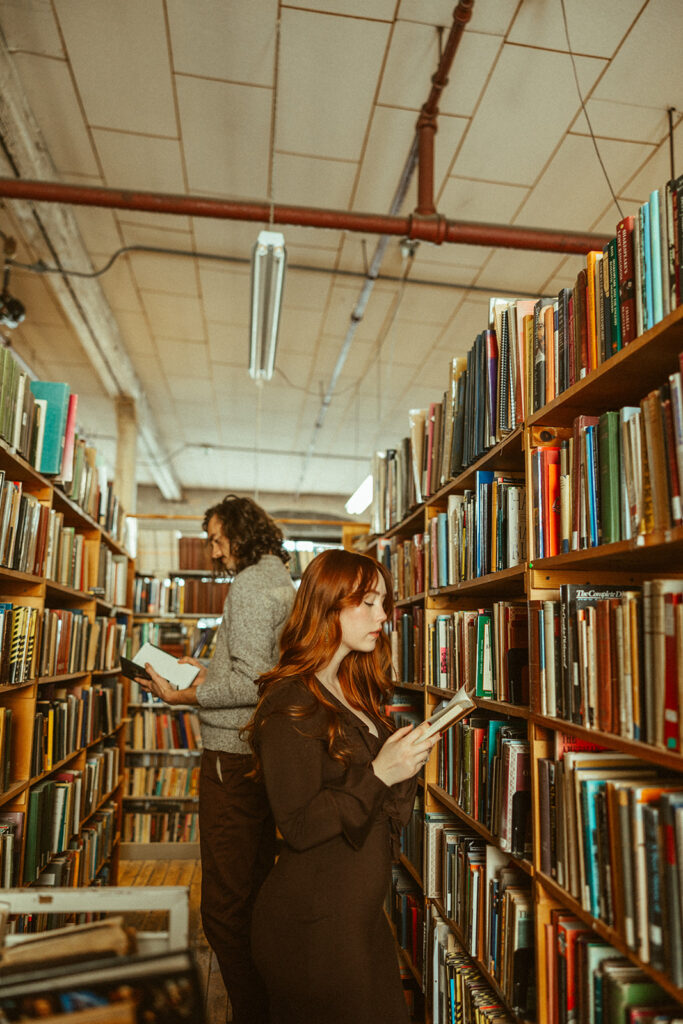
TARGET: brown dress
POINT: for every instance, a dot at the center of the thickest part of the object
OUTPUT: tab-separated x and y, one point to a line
320	938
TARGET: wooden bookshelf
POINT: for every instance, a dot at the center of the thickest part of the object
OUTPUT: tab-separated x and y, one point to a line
26	590
623	379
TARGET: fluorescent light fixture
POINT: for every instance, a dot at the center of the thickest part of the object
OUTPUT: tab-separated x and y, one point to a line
268	262
361	497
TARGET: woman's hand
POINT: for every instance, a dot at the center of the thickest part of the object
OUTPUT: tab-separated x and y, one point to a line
403	754
161	688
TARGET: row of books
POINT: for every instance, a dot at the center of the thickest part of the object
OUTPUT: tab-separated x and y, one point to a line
179	596
611	658
112	577
11	835
459	991
614	477
159	728
160	780
38	421
168	824
405	561
54	815
587	979
484	763
412	834
70	720
6	747
405	909
611	830
69	642
485	650
407	644
533	350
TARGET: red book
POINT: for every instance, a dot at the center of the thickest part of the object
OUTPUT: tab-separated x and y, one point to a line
626	278
550	478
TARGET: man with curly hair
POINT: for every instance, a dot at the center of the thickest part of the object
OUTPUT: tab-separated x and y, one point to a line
236	829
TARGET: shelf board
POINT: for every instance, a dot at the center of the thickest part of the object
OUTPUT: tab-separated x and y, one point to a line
486	703
404	602
411	869
659	551
13	790
415	687
148	798
165	750
494	584
506	456
645	751
607	933
65	678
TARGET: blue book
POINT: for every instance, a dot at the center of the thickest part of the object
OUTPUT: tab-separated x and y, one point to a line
589	787
592	482
56	395
646	243
656	258
484	480
442	542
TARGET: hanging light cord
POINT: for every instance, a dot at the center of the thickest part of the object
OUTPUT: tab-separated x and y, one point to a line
585	111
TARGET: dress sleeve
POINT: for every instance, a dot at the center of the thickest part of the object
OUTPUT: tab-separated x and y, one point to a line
307	809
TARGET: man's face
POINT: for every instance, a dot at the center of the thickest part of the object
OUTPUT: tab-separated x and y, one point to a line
219	544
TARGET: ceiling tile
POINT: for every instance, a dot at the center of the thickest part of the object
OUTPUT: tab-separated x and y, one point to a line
184	359
99	232
157	236
81	379
119	286
662	21
493	18
314	115
139	161
382	10
228	345
37	296
623	121
391	137
593	30
224	39
135	331
174	316
527	87
119	53
414	57
305	181
519	271
299	332
224	142
305	290
655	171
566	200
50	93
187	389
162	273
342	304
30	26
464	199
226	294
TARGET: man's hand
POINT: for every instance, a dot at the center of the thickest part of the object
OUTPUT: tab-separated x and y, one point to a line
201	675
161	688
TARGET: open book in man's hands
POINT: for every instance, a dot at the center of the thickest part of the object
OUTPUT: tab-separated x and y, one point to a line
448	712
180	676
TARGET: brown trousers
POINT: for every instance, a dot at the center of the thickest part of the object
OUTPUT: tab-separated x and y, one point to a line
237	844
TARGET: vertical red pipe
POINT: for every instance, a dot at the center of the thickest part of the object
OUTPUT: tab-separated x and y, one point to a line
426	123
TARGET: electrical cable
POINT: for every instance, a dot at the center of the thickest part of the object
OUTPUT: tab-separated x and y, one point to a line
585	111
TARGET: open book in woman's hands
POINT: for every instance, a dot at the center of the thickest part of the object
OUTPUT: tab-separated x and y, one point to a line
448	712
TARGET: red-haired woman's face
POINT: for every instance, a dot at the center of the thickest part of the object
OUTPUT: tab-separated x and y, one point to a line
361	624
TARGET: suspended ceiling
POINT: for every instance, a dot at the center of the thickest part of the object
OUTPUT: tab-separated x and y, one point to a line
203	98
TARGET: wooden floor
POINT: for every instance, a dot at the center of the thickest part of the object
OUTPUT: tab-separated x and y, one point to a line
180	872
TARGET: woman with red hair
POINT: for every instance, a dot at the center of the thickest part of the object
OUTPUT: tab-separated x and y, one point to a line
341	783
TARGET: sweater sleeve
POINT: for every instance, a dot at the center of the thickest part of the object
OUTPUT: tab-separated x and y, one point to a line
244	649
308	810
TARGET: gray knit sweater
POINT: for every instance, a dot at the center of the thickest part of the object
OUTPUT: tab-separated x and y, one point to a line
258	604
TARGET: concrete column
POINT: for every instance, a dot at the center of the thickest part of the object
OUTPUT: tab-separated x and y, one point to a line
126	452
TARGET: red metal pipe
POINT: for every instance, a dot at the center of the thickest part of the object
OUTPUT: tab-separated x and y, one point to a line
426	124
433	229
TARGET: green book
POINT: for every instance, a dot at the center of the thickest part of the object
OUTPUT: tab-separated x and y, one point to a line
57	397
608	447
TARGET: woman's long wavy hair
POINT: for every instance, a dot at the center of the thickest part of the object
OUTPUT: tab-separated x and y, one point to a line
334	580
251	531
